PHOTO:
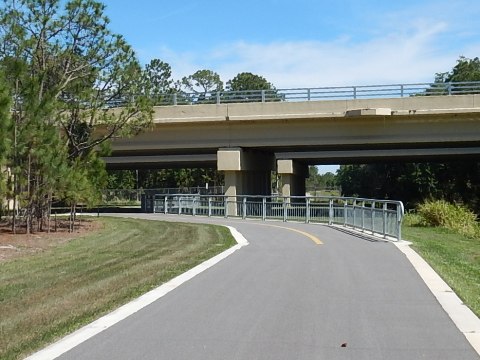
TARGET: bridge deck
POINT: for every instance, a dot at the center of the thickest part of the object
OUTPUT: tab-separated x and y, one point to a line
340	131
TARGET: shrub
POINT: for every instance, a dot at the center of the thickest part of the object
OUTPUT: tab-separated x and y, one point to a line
413	219
451	216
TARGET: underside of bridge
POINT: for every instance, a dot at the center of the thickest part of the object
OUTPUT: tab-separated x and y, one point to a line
249	141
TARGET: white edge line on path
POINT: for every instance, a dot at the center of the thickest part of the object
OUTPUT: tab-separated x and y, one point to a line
464	318
76	338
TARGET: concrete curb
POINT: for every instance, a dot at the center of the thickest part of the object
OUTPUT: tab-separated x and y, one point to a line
465	320
76	338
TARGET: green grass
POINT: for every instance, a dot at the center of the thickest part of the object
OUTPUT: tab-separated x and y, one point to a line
47	295
456	258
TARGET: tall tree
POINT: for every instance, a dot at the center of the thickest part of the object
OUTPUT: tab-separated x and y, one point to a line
465	70
74	62
246	87
65	71
247	81
5	138
158	81
203	83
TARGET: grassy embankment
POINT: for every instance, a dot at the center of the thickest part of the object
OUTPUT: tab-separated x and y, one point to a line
49	294
455	257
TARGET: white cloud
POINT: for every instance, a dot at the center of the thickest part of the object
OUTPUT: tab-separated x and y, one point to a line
401	57
412	54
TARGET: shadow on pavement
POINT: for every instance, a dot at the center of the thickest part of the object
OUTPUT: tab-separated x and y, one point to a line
360	235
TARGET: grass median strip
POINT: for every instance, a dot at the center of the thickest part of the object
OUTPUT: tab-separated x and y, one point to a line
47	295
456	258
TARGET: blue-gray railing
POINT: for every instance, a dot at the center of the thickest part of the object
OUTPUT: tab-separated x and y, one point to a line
313	94
378	217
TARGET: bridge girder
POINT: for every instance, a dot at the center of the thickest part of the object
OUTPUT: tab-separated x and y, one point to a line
410	129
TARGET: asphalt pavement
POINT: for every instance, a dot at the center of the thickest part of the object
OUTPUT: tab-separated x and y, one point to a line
287	296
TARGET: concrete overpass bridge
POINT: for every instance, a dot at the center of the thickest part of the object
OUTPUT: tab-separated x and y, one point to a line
248	140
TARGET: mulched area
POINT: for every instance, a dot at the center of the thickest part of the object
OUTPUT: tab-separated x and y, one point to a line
20	244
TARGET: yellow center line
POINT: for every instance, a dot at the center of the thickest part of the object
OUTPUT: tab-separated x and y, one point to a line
310	236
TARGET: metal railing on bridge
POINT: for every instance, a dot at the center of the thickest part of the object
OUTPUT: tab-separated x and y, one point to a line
314	94
377	217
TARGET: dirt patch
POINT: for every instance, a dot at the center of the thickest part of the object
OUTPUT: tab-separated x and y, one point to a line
20	244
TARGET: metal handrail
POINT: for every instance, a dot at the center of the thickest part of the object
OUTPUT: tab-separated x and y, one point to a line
378	217
316	93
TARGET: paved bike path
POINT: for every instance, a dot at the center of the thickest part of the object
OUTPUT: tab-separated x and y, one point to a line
286	297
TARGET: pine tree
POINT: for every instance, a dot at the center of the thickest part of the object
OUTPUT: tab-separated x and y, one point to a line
5	140
74	85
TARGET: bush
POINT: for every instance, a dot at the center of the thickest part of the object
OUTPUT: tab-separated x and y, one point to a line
413	219
440	213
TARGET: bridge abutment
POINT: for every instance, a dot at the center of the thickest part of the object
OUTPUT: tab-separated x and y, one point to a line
246	173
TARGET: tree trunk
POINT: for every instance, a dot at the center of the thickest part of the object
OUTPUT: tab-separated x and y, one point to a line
72	217
70	222
29	206
49	210
14	210
15	117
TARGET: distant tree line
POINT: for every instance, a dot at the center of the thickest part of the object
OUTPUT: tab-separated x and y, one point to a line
202	86
316	181
163	178
413	183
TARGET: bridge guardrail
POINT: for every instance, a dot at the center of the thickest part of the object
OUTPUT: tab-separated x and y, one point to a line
377	217
314	94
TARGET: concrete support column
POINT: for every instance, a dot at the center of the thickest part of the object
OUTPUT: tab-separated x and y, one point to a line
246	173
292	176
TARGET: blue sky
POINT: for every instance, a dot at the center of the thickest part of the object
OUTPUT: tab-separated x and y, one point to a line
303	43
